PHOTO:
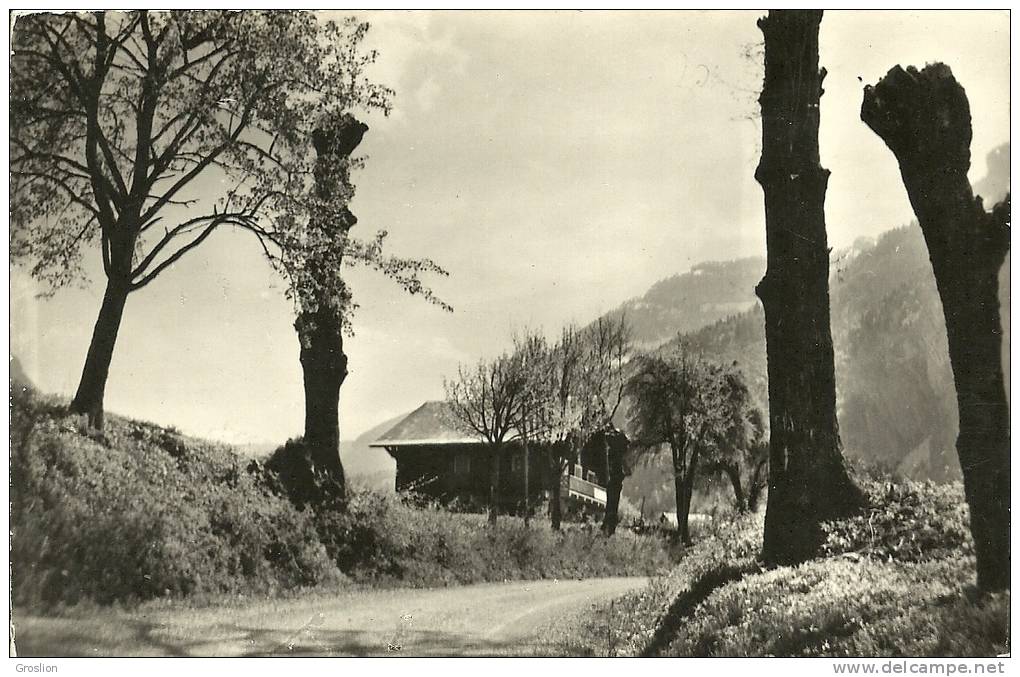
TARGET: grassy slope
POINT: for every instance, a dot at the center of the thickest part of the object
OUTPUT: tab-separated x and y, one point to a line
896	581
144	512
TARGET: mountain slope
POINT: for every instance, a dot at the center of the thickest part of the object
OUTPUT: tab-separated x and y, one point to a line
689	301
895	394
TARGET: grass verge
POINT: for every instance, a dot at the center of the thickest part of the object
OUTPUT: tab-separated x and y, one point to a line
894	581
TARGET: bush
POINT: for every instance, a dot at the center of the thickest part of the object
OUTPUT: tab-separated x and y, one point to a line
906	521
388	539
144	512
893	581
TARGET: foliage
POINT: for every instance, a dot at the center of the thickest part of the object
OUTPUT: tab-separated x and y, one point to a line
739	443
682	402
385	539
117	116
906	521
144	512
729	549
884	595
833	608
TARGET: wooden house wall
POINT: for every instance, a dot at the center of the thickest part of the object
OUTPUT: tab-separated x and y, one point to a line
431	470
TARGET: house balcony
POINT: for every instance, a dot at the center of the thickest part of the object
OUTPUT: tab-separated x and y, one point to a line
583	490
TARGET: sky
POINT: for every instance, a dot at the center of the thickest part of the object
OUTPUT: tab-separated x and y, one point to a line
555	163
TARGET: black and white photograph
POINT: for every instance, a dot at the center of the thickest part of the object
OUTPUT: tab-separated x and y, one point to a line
575	333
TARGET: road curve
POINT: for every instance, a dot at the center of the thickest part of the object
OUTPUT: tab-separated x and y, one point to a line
492	619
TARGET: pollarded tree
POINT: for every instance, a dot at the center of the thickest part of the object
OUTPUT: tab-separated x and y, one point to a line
488	399
121	121
312	248
924	118
808	481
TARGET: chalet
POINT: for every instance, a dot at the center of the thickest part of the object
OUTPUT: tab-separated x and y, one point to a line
436	456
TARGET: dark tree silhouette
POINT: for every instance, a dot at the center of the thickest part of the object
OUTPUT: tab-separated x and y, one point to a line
119	120
808	482
616	446
924	119
312	469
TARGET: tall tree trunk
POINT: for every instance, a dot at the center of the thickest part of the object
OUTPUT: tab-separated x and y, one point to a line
88	399
555	505
678	490
683	486
612	517
684	512
324	367
494	459
924	119
733	472
616	444
755	486
808	482
319	323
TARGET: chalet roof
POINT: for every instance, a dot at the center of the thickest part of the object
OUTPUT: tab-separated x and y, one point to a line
430	424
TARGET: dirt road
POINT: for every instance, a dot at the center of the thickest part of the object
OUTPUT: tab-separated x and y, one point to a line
515	619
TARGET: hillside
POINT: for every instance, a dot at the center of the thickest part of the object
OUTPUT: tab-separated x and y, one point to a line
894	386
369	466
895	396
689	301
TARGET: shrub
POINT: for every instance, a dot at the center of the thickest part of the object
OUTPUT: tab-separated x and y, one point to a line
840	607
906	521
892	581
144	512
398	539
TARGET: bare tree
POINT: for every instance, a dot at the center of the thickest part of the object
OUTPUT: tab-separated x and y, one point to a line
556	424
924	118
808	482
488	399
606	355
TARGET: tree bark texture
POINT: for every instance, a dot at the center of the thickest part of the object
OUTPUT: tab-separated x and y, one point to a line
615	443
808	482
324	368
319	324
88	399
924	119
